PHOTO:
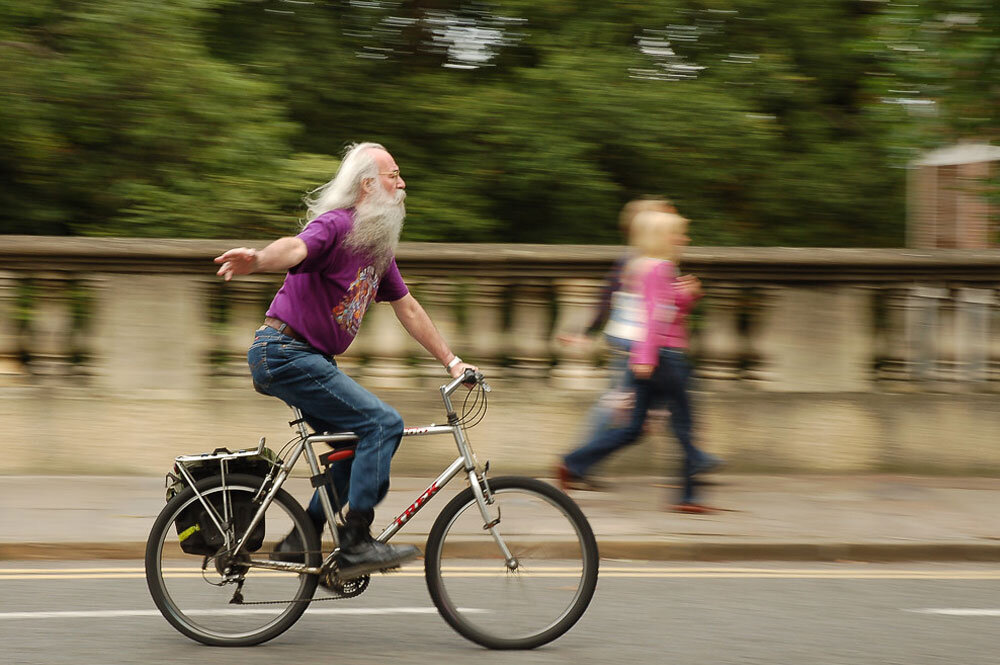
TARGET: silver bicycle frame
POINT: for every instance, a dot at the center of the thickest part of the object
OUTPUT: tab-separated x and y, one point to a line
464	462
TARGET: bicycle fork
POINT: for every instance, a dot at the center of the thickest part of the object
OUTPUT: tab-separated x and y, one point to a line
484	499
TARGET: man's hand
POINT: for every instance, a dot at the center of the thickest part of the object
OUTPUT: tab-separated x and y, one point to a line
642	371
239	261
280	255
689	285
459	369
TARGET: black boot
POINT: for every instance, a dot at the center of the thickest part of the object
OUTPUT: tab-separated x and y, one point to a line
361	554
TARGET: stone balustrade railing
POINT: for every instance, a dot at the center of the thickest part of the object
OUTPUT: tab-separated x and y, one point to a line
130	315
116	355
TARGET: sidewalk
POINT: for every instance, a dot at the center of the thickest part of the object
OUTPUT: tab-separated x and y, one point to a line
789	517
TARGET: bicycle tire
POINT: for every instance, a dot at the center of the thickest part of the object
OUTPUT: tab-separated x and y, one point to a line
524	537
167	596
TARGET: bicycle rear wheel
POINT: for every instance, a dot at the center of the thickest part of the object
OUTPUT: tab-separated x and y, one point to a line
529	601
193	594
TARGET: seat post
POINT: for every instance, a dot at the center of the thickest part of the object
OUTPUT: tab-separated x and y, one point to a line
299	421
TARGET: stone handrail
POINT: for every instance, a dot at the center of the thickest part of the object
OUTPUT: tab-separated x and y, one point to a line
876	314
770	263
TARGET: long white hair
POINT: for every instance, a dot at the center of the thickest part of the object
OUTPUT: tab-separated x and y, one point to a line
344	189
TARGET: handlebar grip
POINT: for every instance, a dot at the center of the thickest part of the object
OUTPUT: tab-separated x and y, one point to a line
472	377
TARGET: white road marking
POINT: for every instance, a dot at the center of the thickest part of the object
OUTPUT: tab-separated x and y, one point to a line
116	614
959	611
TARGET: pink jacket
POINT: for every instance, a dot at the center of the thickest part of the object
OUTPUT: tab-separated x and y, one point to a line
667	308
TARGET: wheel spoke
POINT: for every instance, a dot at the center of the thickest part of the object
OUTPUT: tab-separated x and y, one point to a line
196	594
556	572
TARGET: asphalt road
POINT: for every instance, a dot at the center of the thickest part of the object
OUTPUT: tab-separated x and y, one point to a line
801	614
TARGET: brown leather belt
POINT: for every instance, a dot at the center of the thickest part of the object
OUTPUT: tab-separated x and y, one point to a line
283	328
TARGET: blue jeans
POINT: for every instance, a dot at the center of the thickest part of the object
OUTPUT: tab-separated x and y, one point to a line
669	384
601	415
331	401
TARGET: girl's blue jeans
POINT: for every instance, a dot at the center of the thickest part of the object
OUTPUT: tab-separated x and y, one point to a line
669	385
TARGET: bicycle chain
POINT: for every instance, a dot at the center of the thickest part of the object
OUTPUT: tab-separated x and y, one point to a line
338	596
282	602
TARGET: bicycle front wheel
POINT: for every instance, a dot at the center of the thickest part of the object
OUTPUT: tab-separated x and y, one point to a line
195	592
520	602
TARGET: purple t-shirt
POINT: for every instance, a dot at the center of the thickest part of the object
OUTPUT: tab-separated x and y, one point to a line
325	297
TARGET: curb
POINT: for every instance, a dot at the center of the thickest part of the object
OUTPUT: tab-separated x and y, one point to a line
792	551
610	548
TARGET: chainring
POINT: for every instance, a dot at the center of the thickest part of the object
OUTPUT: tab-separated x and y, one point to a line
344	588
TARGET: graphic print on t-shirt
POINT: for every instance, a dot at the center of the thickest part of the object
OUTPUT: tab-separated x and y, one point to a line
351	309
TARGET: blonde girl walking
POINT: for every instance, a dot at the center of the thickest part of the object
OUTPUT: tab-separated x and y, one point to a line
659	371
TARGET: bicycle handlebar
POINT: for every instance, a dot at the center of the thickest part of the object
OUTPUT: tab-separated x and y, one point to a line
469	378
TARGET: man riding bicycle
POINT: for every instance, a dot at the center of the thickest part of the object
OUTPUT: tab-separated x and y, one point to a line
341	261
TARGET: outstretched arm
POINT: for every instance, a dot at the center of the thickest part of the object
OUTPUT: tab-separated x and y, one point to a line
280	255
421	328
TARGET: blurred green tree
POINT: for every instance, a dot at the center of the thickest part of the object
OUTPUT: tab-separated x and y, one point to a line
938	74
120	122
519	121
751	114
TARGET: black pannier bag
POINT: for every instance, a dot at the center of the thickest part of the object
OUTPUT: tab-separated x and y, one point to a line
196	531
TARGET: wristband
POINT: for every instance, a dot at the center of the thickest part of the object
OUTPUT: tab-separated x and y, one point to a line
451	363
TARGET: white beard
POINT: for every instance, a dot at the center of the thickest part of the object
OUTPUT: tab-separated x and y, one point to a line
378	221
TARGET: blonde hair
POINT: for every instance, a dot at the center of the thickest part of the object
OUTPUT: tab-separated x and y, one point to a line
654	233
637	206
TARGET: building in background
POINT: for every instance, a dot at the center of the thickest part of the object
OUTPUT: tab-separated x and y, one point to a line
948	207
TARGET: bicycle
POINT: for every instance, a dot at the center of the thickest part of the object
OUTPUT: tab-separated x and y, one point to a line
510	562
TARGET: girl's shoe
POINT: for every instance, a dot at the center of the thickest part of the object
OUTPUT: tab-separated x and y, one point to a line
570	481
693	509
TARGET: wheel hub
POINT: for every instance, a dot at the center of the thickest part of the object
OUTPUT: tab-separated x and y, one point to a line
231	568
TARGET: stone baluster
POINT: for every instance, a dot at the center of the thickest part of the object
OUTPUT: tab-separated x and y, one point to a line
246	307
577	300
151	336
437	295
762	345
922	330
993	348
721	345
529	331
484	339
82	331
947	343
11	370
51	328
819	339
973	332
389	350
891	338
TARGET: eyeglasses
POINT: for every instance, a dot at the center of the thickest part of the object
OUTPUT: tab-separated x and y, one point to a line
391	174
